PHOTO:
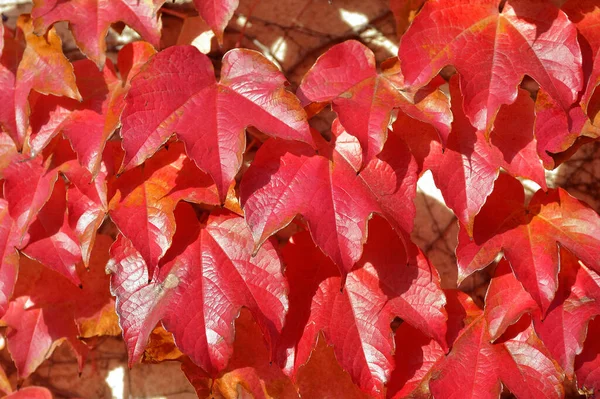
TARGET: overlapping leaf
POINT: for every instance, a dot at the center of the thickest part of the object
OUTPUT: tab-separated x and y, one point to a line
49	309
90	19
355	319
493	47
177	93
564	328
475	367
51	239
206	277
29	62
249	372
217	14
363	99
9	257
90	122
143	200
587	364
529	234
416	355
326	187
466	169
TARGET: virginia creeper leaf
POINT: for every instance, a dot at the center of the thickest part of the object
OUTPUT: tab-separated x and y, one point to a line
206	277
505	301
356	319
249	373
52	241
475	367
493	48
286	179
217	14
31	337
577	301
87	203
30	393
586	16
49	309
528	235
416	355
143	200
9	257
363	99
38	64
466	169
27	187
90	19
587	364
88	123
315	379
8	150
209	117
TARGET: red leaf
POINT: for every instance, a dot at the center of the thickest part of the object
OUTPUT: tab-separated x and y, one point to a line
586	16
209	117
505	301
39	65
286	179
30	393
475	367
577	301
49	309
528	235
31	338
27	187
249	373
86	199
355	318
416	355
556	129
8	150
9	257
466	169
587	364
52	241
363	99
206	277
90	123
217	14
143	199
492	50
90	19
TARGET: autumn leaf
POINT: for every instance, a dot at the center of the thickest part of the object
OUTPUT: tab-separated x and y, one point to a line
328	188
48	309
466	169
529	235
355	318
209	117
143	200
89	21
9	257
217	14
37	64
587	364
346	76
493	47
208	274
476	367
51	239
88	123
249	373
